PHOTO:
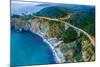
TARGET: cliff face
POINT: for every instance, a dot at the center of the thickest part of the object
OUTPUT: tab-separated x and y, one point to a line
19	24
48	27
74	48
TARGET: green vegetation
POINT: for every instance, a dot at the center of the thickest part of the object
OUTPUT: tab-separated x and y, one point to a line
53	12
84	20
15	16
74	47
69	35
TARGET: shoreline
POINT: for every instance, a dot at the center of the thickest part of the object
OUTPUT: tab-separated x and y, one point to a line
58	57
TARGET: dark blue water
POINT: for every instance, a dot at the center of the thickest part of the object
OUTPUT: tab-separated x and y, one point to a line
29	49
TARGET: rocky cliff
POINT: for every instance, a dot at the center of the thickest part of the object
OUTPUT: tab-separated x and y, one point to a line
73	47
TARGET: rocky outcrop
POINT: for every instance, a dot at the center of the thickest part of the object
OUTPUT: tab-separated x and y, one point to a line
73	47
20	25
49	28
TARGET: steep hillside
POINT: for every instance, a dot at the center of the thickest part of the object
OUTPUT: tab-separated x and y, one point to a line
84	20
53	12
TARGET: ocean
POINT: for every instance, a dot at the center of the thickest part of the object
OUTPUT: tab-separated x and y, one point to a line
29	49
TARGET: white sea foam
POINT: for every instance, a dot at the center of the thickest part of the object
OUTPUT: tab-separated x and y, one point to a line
59	58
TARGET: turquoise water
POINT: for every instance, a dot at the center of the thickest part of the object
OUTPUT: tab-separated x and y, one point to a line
29	49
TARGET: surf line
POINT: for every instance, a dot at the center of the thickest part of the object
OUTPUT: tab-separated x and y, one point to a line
58	56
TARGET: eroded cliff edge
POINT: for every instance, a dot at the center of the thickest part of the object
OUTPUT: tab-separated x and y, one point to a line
69	45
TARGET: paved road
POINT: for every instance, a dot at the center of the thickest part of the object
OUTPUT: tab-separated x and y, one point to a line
70	25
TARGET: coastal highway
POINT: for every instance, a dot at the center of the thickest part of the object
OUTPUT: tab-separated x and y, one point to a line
70	25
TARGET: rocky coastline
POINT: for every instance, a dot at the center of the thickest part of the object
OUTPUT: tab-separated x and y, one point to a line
64	51
52	42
